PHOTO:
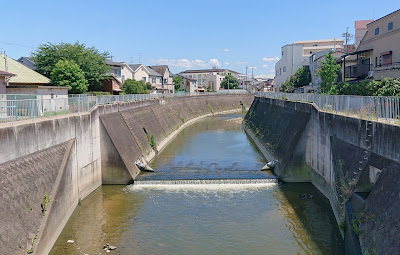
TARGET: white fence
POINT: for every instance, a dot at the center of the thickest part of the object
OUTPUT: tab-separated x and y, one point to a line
31	109
386	109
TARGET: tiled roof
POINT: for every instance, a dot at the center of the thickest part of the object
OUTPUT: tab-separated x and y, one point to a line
152	72
134	66
23	74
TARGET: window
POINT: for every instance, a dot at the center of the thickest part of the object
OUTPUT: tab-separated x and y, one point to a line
153	80
377	31
390	26
284	69
386	58
144	78
282	53
117	72
315	45
165	80
376	61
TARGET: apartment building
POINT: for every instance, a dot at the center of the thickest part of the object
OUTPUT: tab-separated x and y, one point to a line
378	54
297	54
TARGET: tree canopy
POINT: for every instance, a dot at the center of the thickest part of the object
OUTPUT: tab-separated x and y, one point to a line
89	60
231	80
67	73
301	78
132	86
177	82
328	72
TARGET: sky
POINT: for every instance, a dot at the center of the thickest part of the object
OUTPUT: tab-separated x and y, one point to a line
183	34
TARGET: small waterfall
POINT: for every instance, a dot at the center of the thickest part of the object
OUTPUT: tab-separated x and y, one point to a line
206	182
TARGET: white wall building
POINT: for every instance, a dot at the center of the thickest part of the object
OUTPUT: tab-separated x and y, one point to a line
296	55
210	78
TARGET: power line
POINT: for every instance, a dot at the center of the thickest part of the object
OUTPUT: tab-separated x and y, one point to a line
17	44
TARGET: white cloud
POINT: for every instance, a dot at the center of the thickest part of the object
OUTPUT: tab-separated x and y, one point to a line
226	50
265	66
214	62
273	59
226	63
184	63
188	64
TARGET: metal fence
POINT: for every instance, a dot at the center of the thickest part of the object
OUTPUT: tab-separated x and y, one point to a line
384	109
30	108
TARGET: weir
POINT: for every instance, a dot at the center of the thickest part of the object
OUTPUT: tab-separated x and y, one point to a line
206	182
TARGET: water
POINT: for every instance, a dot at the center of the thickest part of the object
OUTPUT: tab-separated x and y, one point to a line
251	216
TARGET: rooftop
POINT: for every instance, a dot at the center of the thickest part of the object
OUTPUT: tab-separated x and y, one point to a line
384	17
152	72
7	74
362	24
319	41
23	74
209	71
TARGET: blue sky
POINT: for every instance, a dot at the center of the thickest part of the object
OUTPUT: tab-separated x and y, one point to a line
183	34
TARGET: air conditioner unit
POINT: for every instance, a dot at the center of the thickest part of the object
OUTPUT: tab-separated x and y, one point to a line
370	74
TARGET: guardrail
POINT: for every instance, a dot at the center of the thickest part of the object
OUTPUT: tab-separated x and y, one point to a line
32	109
383	109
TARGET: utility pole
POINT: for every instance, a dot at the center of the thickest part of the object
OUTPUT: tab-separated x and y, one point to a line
6	66
347	36
246	77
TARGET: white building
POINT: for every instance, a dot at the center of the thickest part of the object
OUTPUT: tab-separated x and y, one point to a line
296	55
210	78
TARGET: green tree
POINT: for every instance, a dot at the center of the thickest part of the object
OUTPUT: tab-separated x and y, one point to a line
328	72
89	59
231	80
177	82
67	73
135	87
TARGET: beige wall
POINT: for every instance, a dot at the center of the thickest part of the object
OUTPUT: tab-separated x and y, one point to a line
383	42
141	73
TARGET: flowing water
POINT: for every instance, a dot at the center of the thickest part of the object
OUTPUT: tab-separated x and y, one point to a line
207	196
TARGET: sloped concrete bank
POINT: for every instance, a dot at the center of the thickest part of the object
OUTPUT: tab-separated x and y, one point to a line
48	166
355	163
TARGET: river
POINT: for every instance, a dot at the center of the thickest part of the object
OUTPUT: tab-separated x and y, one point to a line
195	219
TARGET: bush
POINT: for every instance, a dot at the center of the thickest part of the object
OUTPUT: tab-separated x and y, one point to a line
132	86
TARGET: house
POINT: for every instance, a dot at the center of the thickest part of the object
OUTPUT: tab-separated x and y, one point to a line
28	62
167	77
378	55
140	72
27	81
4	77
188	84
316	61
156	80
112	86
210	78
297	54
120	70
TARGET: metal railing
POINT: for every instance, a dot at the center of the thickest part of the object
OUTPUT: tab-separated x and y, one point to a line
13	110
383	109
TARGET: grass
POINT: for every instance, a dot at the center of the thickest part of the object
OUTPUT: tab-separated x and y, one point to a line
46	201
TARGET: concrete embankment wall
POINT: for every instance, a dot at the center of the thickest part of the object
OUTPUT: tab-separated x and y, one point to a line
354	162
127	133
62	158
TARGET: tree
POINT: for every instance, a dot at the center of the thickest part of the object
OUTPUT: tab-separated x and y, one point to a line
136	87
67	73
89	60
328	72
232	81
177	82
